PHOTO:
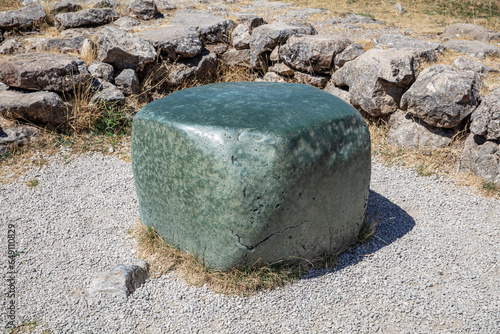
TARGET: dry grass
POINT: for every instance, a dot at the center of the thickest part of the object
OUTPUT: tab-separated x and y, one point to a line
164	258
422	16
10	5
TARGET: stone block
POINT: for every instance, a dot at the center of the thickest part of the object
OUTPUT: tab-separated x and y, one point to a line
243	172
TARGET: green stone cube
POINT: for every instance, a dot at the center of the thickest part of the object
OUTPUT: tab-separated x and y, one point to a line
238	173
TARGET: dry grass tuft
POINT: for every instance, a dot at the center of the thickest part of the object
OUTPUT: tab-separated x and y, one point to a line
164	258
10	5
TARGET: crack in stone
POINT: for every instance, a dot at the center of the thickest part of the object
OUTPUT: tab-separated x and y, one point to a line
249	248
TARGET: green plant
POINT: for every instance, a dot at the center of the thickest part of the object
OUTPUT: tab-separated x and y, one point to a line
112	120
425	170
490	186
32	183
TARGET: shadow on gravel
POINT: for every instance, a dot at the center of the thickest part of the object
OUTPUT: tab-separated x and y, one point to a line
392	223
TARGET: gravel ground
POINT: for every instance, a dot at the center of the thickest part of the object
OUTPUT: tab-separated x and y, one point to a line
432	267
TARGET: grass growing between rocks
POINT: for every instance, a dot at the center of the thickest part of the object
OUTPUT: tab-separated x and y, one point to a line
164	258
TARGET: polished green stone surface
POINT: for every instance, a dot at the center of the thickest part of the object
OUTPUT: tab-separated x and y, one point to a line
241	172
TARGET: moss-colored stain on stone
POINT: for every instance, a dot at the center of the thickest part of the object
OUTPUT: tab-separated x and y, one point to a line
241	172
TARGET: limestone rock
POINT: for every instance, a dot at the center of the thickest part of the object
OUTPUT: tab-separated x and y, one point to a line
398	41
378	78
266	37
463	63
212	28
351	52
486	118
64	6
9	46
481	157
124	50
312	53
37	107
143	9
272	77
119	282
234	57
309	79
43	71
472	31
126	22
173	41
15	136
23	18
442	96
201	68
107	93
242	178
352	19
282	69
104	3
57	44
473	48
128	82
165	5
102	71
85	17
405	131
240	36
341	94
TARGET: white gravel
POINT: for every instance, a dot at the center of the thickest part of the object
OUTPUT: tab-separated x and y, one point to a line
432	267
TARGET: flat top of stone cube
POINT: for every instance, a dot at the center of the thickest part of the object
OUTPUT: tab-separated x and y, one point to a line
260	106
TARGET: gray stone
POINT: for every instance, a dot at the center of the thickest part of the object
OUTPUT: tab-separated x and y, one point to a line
473	48
401	10
105	3
173	41
119	282
268	36
37	107
282	69
128	82
63	7
481	157
164	5
57	44
102	71
88	50
406	131
3	87
15	136
312	53
462	63
143	9
378	78
252	171
351	52
212	28
85	17
442	97
201	68
309	79
23	18
240	36
486	118
351	19
472	31
9	46
124	50
233	57
398	41
43	71
107	93
341	94
272	77
126	22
